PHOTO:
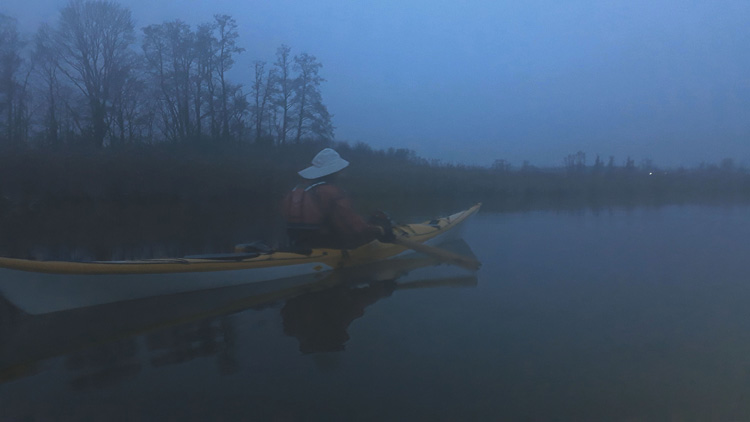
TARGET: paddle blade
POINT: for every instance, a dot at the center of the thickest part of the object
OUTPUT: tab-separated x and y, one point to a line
441	254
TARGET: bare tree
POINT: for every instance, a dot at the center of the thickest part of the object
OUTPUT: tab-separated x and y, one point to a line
11	97
206	49
262	91
598	164
501	165
322	125
575	162
132	109
313	118
169	50
46	67
203	87
629	164
283	87
93	39
238	109
226	29
190	70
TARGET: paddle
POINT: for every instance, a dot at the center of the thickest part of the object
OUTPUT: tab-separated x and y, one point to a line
441	254
382	220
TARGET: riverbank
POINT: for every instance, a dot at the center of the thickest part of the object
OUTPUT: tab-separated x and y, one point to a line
169	200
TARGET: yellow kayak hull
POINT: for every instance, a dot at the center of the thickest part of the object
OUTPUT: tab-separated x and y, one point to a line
328	258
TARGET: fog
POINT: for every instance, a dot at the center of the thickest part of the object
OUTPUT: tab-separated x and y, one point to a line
161	259
473	82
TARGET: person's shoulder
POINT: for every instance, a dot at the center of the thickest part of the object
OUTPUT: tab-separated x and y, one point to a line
326	187
330	190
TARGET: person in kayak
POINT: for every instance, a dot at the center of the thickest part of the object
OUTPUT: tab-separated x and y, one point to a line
319	214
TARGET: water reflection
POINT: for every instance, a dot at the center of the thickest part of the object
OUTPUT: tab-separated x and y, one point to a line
192	340
106	344
320	320
103	365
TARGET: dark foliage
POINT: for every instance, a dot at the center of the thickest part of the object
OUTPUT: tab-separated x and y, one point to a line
173	199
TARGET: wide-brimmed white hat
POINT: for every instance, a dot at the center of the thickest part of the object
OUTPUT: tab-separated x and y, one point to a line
326	162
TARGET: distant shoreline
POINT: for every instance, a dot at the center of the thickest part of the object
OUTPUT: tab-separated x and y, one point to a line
170	199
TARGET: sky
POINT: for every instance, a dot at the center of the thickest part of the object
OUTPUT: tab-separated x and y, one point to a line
475	81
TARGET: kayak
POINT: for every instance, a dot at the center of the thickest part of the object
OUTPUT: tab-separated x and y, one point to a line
48	286
29	339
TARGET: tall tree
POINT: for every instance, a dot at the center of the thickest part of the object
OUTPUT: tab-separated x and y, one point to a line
170	53
10	87
226	29
93	41
263	92
312	116
238	110
284	91
131	113
46	67
203	87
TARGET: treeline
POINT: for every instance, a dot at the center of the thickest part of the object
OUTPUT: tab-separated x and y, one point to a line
576	163
85	80
169	199
259	174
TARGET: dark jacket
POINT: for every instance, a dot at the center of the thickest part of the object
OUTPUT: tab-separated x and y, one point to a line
321	216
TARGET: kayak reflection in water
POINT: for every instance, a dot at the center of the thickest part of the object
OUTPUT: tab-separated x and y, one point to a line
165	330
319	214
320	320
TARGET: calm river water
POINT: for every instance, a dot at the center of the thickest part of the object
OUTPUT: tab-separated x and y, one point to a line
635	314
